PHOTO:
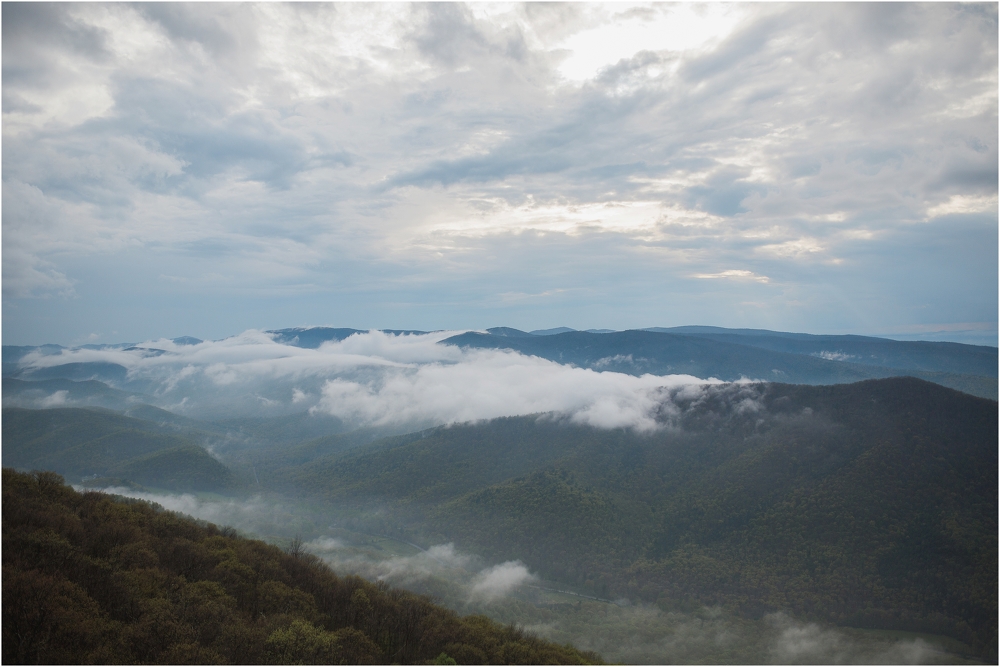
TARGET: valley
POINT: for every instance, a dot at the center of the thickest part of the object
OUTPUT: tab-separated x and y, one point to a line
728	519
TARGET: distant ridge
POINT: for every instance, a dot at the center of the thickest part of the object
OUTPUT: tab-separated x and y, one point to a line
187	340
870	504
732	354
550	332
702	351
507	332
312	337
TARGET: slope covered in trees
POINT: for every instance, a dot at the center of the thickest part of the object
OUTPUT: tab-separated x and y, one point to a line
871	504
91	579
103	444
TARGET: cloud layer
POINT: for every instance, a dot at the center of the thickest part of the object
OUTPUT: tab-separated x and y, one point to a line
374	378
203	168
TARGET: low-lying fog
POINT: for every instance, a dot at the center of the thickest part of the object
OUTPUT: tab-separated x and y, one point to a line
510	593
370	379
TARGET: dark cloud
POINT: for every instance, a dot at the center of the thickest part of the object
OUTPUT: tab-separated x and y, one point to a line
210	27
14	102
31	30
449	34
724	193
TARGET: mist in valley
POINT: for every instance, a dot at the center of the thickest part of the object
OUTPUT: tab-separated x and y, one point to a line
622	631
279	416
737	403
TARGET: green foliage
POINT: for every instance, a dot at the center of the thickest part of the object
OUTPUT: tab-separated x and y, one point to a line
86	443
90	579
180	468
871	505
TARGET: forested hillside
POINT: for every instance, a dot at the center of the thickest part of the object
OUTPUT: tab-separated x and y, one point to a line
91	579
871	504
100	444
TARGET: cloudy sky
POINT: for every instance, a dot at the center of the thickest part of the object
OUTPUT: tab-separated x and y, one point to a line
205	169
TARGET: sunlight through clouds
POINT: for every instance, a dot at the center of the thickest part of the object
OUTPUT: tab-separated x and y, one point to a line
367	162
632	28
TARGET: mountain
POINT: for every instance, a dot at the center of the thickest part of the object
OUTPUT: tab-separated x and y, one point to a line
284	430
797	358
92	444
867	505
726	354
62	392
187	340
183	468
102	371
507	332
870	505
89	578
881	352
313	337
549	332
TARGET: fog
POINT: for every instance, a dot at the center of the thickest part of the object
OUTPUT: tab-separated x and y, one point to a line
256	516
622	632
472	582
645	634
460	578
370	379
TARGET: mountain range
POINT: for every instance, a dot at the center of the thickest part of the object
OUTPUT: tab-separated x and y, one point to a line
703	352
852	492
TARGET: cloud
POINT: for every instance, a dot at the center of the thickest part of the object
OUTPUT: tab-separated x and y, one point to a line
57	399
476	585
490	383
256	515
733	274
438	560
25	276
835	356
643	634
500	580
375	378
625	633
364	159
804	643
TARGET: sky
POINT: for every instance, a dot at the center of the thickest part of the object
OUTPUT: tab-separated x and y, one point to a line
205	169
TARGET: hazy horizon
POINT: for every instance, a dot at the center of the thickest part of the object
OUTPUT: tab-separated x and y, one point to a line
967	336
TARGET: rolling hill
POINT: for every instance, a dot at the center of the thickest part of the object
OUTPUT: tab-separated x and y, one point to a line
705	352
98	444
92	579
872	504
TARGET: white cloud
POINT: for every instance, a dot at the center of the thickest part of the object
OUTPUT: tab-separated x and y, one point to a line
964	204
628	31
368	155
57	399
804	643
733	274
500	580
486	384
375	378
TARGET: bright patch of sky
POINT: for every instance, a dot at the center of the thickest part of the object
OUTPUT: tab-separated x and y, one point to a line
631	28
207	168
